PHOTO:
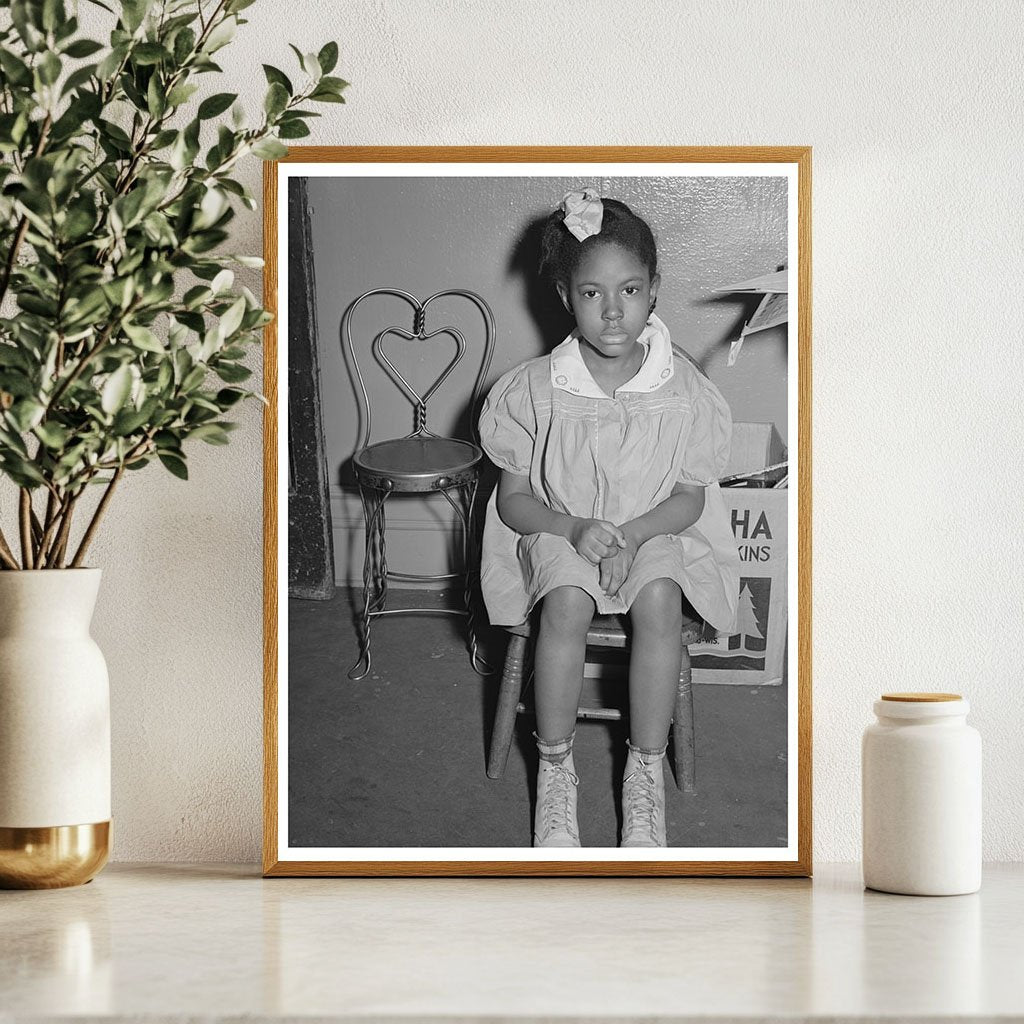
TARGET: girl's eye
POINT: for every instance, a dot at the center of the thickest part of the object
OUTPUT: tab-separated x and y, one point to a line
589	293
631	289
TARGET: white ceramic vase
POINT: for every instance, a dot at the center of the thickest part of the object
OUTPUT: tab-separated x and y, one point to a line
54	731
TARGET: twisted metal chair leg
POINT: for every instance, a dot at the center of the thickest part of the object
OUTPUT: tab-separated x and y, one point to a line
464	510
375	579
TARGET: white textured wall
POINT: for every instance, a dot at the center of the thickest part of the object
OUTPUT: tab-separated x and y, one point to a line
913	110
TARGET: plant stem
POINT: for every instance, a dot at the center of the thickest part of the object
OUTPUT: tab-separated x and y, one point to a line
12	255
25	520
53	521
87	357
19	235
6	555
97	516
61	543
51	510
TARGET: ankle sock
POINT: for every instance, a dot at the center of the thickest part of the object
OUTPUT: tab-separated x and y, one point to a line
555	751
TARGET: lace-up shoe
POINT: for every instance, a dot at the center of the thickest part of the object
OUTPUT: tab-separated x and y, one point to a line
643	801
554	822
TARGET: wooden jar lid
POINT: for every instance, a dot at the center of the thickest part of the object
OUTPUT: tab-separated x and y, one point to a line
921	698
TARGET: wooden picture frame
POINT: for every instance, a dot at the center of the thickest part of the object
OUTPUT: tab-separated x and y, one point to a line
788	168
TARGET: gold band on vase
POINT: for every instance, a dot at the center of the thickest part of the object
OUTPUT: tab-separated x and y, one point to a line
52	857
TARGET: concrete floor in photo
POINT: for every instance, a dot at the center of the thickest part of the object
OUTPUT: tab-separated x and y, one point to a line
399	758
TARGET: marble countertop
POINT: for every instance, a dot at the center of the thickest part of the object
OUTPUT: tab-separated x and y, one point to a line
180	941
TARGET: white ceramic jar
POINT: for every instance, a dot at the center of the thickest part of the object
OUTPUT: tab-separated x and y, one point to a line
921	779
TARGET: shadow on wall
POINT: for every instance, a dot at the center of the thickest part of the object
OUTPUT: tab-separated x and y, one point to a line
544	306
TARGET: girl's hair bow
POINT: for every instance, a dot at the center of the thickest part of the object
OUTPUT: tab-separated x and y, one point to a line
583	213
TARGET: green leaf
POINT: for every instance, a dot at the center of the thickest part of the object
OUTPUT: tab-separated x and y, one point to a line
274	76
221	35
328	58
311	66
116	390
16	383
128	421
232	373
175	465
21	471
14	68
116	134
53	435
12	356
222	281
129	207
49	68
77	79
83	48
232	319
227	397
143	338
184	44
269	149
111	62
53	14
211	433
324	96
38	305
149	53
334	84
27	22
214	105
276	99
133	13
163	139
181	94
26	413
292	130
193	379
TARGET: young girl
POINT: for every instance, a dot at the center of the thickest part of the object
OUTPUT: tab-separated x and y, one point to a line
609	451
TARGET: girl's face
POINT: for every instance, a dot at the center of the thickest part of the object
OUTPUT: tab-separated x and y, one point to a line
610	295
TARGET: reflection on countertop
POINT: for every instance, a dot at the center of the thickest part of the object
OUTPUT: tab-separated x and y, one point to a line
180	940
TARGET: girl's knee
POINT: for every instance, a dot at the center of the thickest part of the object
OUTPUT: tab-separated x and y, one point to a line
567	610
659	606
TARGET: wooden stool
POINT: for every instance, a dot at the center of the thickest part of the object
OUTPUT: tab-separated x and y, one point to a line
605	631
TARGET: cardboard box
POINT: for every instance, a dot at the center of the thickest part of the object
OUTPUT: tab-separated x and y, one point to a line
756	654
755	446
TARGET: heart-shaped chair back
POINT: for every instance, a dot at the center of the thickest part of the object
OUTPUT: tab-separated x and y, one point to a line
419	333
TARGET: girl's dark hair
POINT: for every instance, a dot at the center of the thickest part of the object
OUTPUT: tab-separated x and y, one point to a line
560	252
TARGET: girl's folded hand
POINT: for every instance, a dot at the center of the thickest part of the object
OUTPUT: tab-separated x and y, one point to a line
595	539
615	568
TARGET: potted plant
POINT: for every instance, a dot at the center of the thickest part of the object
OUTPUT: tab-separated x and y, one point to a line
122	340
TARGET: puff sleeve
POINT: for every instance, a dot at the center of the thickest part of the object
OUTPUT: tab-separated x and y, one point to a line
508	423
707	448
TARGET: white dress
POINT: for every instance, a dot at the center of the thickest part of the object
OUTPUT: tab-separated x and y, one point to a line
614	458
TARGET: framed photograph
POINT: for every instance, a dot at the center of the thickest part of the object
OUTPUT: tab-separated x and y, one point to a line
538	511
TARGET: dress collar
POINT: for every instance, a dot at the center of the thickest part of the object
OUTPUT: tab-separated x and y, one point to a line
570	373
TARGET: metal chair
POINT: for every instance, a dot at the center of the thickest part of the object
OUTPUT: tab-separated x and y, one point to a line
605	631
419	463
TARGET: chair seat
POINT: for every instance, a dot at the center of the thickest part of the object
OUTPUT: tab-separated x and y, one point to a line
613	630
418	463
